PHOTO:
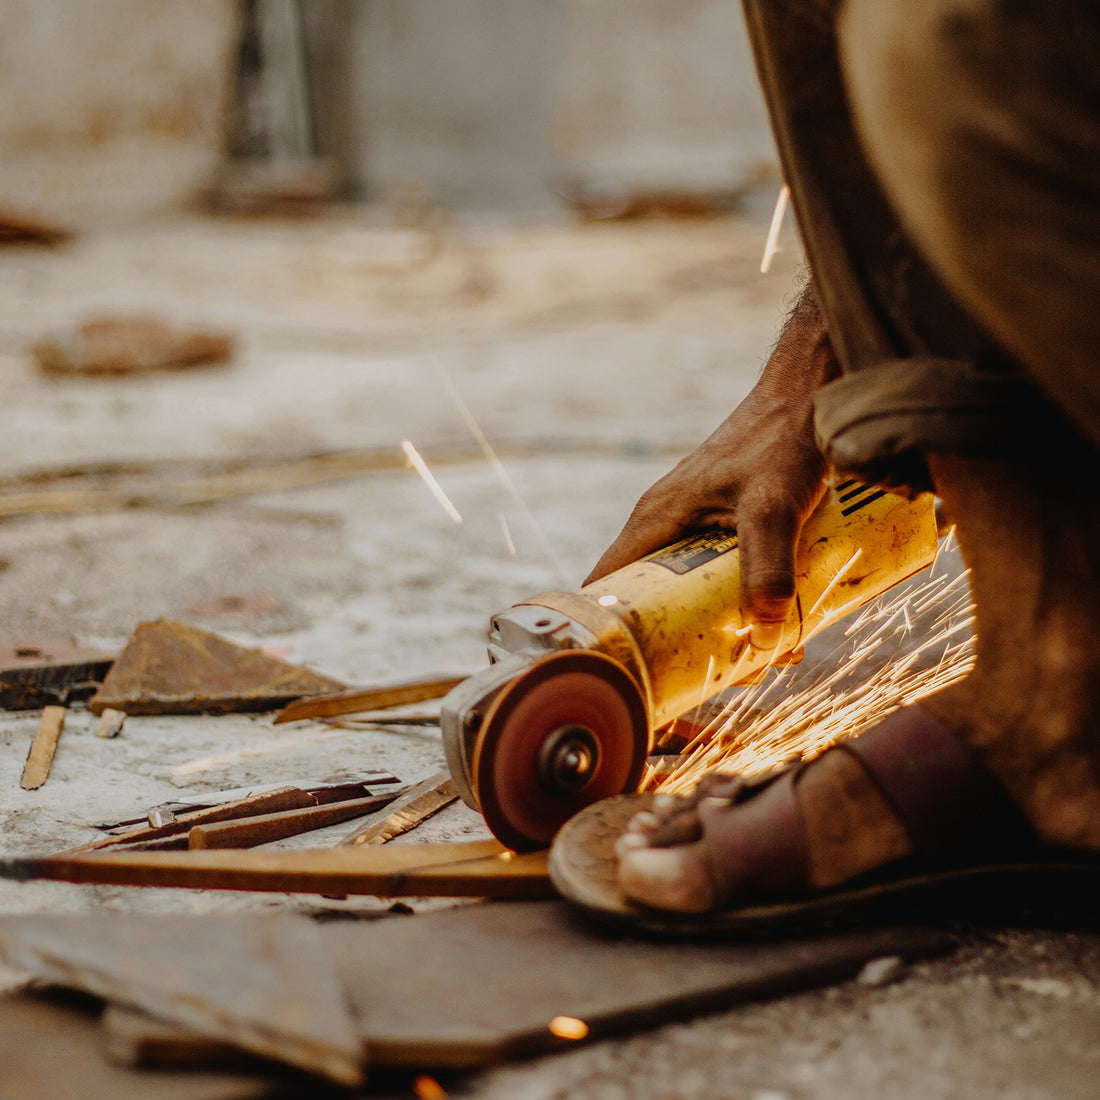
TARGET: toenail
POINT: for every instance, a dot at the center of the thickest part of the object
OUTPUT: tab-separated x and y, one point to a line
630	842
643	822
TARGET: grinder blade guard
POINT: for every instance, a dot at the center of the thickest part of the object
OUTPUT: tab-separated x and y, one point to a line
579	681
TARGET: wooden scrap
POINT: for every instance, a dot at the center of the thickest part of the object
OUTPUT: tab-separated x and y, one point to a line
169	667
474	869
264	828
49	672
413	807
110	723
262	983
354	700
130	345
43	748
283	798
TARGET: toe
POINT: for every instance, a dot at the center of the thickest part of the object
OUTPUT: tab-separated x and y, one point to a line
674	879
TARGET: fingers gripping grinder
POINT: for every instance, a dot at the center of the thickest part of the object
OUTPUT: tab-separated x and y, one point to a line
580	681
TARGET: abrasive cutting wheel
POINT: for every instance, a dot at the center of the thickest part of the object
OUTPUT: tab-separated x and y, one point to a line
566	732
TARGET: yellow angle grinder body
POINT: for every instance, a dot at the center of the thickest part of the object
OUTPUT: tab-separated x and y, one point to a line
579	682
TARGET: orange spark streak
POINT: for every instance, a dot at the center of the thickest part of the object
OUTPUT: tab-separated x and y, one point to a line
421	467
771	247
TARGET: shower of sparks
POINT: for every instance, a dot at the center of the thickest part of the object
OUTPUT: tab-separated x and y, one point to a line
421	467
771	247
498	467
507	535
763	727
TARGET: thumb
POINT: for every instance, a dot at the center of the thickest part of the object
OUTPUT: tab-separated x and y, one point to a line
768	573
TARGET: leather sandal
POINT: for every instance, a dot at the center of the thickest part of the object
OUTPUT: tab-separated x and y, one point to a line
902	824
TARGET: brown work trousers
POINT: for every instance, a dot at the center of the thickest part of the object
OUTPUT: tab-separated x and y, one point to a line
944	163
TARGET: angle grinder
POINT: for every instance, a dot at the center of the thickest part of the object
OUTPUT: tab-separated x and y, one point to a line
579	683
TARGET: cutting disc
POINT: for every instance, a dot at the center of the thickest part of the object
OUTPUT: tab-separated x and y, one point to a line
566	732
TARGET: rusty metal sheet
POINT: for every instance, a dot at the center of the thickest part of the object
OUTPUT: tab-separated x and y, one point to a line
169	667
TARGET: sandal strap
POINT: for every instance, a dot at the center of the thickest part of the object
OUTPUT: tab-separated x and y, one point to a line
942	792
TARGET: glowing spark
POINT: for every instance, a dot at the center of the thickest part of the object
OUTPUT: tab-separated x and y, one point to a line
507	535
428	1088
498	466
608	601
506	856
747	738
421	467
567	1027
772	245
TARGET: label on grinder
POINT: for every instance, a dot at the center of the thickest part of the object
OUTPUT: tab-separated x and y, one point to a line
683	557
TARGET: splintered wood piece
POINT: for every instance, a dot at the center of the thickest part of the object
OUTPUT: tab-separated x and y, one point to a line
43	748
110	723
169	667
262	983
375	698
285	798
474	869
277	826
413	807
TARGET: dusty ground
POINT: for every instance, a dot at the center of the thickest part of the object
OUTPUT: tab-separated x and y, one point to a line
590	357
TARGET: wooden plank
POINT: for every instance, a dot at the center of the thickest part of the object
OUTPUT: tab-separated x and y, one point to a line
264	828
474	869
52	1046
264	984
43	748
500	974
285	798
373	698
415	806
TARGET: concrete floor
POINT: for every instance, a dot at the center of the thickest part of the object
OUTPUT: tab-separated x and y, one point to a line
591	357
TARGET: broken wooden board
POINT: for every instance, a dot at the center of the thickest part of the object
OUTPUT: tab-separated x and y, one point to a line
51	1046
169	667
375	698
413	807
263	983
497	975
479	869
43	747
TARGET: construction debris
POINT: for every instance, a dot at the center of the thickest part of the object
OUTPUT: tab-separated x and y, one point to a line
43	747
413	807
36	674
263	983
333	998
110	723
478	869
264	828
169	667
112	346
375	698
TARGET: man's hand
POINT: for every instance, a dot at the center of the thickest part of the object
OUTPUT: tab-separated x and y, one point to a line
760	473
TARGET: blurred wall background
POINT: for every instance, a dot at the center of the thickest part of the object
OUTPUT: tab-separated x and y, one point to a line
119	108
